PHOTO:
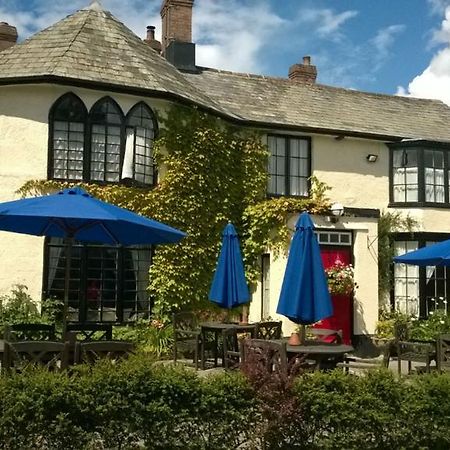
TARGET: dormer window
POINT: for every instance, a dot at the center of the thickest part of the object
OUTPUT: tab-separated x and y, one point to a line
103	145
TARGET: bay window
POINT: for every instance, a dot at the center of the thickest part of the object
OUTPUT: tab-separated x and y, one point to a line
419	174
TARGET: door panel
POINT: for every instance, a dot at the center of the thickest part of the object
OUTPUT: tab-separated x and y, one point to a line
342	304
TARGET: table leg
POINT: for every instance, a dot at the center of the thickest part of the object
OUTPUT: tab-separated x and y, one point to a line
216	345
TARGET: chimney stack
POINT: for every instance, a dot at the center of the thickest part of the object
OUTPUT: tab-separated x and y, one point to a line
176	16
8	36
303	73
176	40
150	39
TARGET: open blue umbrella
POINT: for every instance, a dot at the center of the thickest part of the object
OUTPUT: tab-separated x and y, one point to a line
433	255
304	296
73	214
229	287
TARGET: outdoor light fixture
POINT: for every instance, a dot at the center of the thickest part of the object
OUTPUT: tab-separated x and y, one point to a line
371	157
337	210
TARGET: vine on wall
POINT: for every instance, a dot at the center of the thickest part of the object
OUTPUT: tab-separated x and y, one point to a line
214	173
389	223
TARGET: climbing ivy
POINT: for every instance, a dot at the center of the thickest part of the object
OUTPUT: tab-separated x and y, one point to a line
389	223
212	173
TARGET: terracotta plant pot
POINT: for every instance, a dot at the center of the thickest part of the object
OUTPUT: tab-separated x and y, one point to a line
295	339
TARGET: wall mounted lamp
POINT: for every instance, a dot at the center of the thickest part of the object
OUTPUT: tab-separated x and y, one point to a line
371	157
337	210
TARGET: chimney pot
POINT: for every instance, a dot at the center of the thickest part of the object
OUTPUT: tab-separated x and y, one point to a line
303	73
150	33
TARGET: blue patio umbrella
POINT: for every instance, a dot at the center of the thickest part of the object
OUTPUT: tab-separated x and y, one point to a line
304	296
229	287
433	255
73	214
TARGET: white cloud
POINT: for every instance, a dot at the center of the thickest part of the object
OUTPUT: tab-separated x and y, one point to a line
230	35
434	81
136	14
327	22
382	44
438	6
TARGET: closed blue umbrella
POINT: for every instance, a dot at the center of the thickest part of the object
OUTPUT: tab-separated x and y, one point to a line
229	287
304	296
433	255
73	214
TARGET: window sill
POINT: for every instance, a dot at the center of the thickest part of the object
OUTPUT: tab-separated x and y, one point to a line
419	205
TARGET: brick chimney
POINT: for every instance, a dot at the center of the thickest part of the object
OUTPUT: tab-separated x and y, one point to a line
177	45
176	16
150	39
303	73
8	36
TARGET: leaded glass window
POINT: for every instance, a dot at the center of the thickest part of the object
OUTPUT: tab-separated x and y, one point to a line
289	165
68	138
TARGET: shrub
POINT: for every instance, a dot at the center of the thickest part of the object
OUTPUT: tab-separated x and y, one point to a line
152	336
137	404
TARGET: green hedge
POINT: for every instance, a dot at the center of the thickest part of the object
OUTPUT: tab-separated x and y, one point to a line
140	405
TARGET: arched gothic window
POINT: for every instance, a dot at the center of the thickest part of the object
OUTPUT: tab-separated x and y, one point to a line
138	158
67	144
106	121
101	146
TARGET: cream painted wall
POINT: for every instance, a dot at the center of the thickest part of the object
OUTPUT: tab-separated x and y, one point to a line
341	164
365	311
24	113
355	183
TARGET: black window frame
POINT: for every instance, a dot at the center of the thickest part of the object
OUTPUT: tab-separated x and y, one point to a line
52	119
84	248
420	146
421	238
288	138
88	123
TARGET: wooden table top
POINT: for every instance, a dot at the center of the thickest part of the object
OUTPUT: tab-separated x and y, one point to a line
319	349
218	326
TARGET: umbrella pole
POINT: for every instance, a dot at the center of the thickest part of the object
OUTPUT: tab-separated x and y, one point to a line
68	251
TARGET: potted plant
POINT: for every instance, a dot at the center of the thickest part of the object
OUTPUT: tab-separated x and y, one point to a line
341	278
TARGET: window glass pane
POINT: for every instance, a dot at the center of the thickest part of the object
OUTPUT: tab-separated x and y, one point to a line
138	161
101	289
292	154
406	281
105	141
69	115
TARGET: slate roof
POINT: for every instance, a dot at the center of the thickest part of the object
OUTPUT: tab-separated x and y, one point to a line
282	102
92	46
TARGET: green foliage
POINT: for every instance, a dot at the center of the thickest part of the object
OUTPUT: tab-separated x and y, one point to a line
265	223
151	336
130	405
19	307
376	411
139	404
212	173
393	324
389	222
438	322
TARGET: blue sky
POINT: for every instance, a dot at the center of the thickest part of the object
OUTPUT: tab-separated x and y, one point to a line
387	46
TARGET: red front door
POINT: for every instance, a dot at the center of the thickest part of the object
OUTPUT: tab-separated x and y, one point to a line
342	304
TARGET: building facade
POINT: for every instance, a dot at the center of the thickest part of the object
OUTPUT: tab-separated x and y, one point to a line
79	101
